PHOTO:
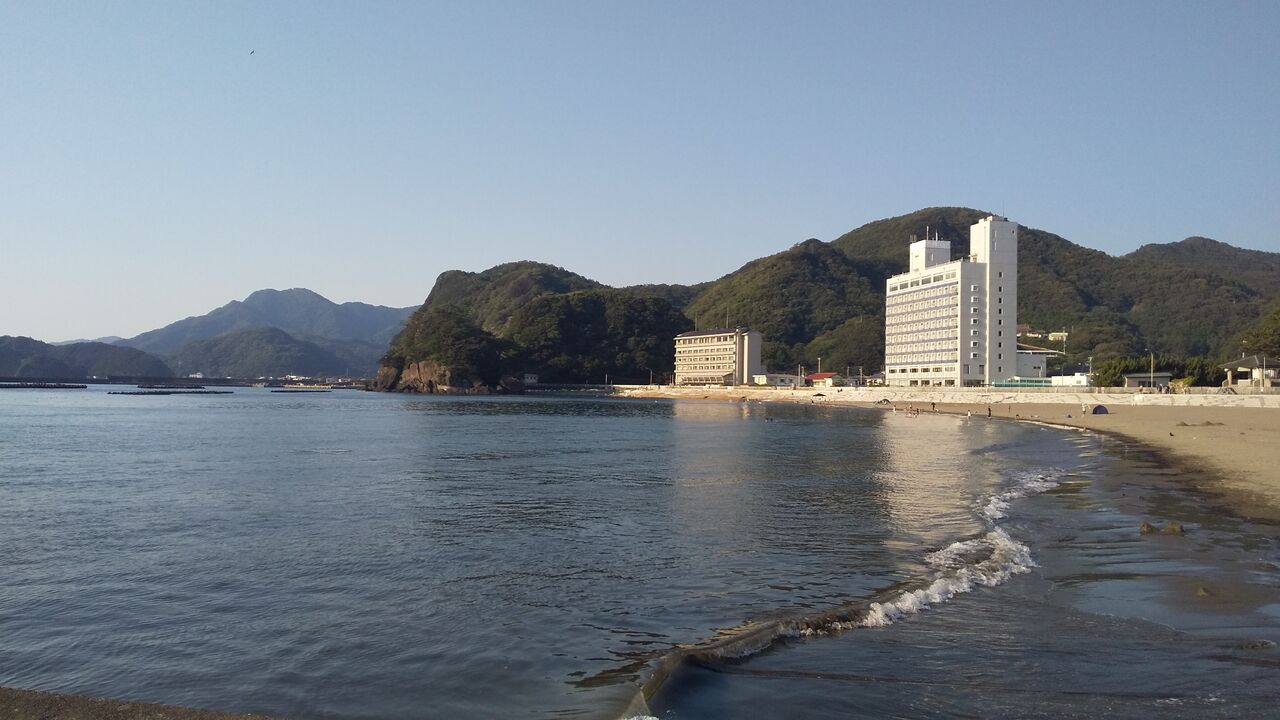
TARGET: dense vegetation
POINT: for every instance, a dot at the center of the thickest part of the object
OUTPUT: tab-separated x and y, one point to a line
491	297
573	337
446	335
22	357
1186	370
255	353
1264	337
793	298
584	336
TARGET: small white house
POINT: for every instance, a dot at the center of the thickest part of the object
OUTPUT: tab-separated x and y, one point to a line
530	379
778	380
1076	380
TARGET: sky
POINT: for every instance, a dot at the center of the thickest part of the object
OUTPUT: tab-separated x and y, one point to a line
160	159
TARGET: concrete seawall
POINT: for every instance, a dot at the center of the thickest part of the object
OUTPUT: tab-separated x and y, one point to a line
951	396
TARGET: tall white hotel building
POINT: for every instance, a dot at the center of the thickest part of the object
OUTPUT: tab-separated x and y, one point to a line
954	322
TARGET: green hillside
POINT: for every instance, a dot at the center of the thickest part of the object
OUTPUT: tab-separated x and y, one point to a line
27	358
792	298
254	353
1194	298
574	337
491	297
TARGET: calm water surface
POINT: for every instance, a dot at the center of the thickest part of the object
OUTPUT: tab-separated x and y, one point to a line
357	555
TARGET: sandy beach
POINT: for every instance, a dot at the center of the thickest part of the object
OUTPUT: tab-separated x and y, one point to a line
1229	446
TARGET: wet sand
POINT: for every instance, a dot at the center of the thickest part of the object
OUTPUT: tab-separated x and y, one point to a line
1238	447
1231	439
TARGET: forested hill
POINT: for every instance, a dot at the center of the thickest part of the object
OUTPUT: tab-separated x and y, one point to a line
256	353
817	299
22	357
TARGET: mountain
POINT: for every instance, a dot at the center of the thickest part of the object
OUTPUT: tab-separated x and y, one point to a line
816	300
299	312
1254	269
256	352
793	297
356	333
27	358
1194	297
108	339
491	297
477	328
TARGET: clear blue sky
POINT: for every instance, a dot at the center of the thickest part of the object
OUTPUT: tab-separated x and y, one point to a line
152	167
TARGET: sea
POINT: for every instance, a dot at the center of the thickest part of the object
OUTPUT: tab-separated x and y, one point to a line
364	555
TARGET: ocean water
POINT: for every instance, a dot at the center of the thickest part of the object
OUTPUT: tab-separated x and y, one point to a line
359	555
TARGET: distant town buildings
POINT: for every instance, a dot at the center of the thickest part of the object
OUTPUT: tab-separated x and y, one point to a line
954	322
718	357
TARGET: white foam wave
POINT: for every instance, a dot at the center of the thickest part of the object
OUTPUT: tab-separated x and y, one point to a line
997	506
1007	558
960	567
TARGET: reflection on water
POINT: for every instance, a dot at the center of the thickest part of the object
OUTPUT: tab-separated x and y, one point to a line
355	555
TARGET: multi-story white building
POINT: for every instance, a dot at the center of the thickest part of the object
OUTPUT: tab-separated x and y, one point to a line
954	322
718	357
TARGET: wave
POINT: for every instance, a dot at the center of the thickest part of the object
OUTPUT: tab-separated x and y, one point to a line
987	560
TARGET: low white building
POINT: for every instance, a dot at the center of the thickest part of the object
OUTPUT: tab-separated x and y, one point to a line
777	380
719	356
825	379
1076	380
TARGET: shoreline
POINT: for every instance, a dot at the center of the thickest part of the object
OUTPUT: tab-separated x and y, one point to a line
20	704
1230	442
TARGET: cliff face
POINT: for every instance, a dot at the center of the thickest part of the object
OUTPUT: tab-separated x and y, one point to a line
433	378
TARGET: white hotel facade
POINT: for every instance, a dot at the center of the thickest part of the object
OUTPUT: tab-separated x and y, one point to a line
718	357
951	322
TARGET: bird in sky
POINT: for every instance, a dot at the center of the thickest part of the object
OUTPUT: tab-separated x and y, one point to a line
250	52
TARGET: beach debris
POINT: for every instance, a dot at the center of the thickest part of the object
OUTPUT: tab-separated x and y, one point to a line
1173	527
1203	591
1256	645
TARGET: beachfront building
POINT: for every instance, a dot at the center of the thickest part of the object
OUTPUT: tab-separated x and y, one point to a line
824	379
777	380
954	322
718	357
1257	371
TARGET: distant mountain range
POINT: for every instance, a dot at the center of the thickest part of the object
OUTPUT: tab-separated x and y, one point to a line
322	337
1196	297
22	357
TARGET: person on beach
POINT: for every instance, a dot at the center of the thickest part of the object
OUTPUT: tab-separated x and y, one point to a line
988	411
